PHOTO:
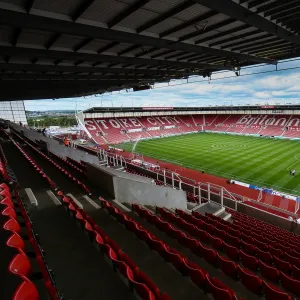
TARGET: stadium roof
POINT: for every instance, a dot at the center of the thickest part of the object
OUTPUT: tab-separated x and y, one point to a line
67	48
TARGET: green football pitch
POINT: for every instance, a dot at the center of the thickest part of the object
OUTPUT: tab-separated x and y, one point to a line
254	160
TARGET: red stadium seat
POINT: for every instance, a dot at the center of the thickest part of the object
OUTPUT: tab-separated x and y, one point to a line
202	235
282	265
290	284
249	261
276	252
248	248
264	256
296	272
197	275
20	265
269	272
250	281
9	212
15	241
291	259
210	256
12	225
233	240
232	252
261	245
219	290
217	243
7	202
26	291
273	293
228	267
221	234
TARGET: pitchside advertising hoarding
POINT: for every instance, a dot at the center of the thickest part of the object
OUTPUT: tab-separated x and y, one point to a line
266	190
263	120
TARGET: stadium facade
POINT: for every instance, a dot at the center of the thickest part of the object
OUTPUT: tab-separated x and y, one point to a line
117	125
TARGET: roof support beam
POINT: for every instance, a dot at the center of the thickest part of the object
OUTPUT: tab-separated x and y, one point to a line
52	40
191	22
16	36
28	52
234	38
236	11
28	5
261	45
282	9
214	27
79	11
79	77
79	69
162	53
162	17
255	40
21	20
275	6
286	14
127	12
220	34
255	3
82	44
134	47
107	47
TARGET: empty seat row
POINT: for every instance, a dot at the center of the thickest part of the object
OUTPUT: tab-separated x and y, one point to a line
262	231
68	174
129	272
16	268
249	242
125	267
10	212
210	255
76	163
218	289
245	220
231	245
121	263
68	163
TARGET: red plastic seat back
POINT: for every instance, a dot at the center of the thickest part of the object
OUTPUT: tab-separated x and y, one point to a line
20	265
273	293
290	284
26	291
269	272
228	267
250	280
218	289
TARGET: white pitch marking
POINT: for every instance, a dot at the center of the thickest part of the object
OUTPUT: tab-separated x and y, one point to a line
53	198
75	200
92	202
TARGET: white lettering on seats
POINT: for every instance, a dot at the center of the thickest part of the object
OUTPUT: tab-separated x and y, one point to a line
102	122
296	120
114	123
124	121
152	121
90	125
134	122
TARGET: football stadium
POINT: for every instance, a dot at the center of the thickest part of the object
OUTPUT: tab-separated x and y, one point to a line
186	186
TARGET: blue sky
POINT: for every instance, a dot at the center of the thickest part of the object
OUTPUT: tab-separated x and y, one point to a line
269	88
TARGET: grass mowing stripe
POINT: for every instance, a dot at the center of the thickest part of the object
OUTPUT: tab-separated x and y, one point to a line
262	160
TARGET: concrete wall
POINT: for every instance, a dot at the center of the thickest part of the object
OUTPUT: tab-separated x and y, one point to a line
103	177
131	191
